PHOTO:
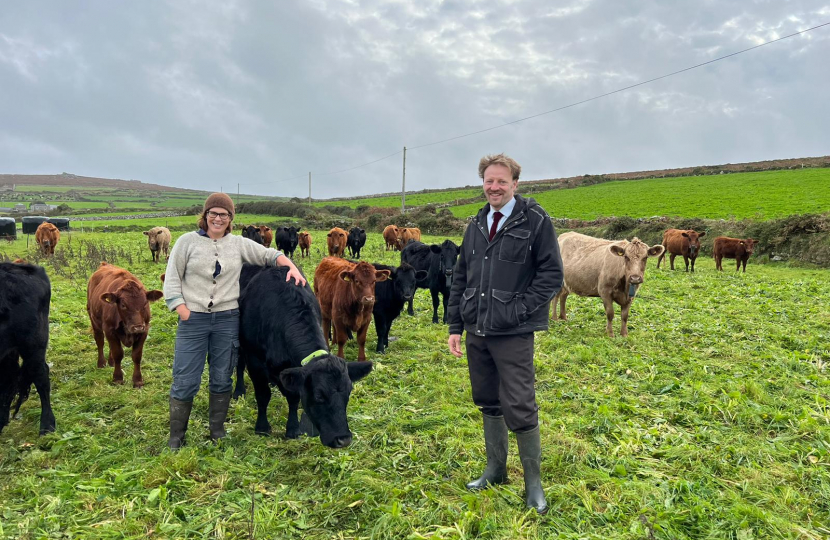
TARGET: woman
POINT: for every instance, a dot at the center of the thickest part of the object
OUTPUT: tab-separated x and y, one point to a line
202	286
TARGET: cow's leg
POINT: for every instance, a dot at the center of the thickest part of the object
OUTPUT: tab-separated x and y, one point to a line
693	263
262	391
361	342
624	316
341	335
36	370
326	324
718	264
383	333
444	296
661	257
738	267
292	423
435	302
609	315
686	262
409	309
239	390
671	260
563	297
138	349
99	342
116	355
10	368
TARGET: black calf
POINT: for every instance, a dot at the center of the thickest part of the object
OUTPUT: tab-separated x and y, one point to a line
390	296
439	262
282	344
356	241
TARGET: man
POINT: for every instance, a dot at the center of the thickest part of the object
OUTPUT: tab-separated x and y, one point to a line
508	270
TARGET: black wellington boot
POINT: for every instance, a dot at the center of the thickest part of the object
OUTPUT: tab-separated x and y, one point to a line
217	413
530	452
495	442
179	416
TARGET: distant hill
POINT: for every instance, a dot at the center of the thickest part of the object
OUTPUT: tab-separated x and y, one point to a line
67	179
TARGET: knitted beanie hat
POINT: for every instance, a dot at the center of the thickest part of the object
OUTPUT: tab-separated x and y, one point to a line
220	200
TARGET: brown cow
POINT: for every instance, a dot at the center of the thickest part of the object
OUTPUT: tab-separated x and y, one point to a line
390	235
337	242
684	242
611	270
733	248
304	240
407	235
158	239
346	292
119	309
266	234
47	237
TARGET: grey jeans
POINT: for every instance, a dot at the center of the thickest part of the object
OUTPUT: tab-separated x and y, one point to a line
205	336
502	375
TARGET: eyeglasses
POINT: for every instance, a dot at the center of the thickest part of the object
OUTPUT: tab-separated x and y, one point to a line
213	215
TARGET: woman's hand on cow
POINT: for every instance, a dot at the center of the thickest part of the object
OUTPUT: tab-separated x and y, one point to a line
183	312
293	272
455	345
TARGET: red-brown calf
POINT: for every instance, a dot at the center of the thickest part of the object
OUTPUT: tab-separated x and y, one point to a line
346	292
266	234
684	242
305	243
733	248
119	310
47	237
337	242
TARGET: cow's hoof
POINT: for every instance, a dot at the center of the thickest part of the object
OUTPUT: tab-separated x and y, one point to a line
292	434
263	432
435	320
47	429
102	365
118	381
237	395
138	384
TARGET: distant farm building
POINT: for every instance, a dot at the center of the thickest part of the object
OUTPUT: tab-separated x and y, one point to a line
41	207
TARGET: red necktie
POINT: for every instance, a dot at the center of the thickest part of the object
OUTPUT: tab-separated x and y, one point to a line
496	217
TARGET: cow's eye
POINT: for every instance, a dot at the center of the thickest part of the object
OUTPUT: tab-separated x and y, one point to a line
319	396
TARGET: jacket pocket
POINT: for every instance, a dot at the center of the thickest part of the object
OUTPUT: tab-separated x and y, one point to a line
504	307
514	246
469	306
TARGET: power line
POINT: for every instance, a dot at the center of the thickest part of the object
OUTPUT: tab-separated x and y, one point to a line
617	91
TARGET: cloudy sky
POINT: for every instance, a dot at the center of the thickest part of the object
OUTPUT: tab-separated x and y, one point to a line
205	94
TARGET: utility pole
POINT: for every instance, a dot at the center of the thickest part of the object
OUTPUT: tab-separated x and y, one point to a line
309	188
403	184
237	193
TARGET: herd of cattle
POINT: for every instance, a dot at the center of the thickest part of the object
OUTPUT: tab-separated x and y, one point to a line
346	296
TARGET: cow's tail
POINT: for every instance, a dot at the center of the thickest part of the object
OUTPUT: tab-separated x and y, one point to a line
24	386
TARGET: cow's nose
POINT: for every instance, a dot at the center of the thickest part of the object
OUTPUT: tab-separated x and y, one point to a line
368	299
636	279
138	329
342	442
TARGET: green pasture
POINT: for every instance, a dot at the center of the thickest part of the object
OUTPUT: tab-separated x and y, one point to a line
412	199
710	421
758	195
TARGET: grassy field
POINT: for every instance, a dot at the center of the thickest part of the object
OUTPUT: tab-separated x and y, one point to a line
412	199
762	195
710	421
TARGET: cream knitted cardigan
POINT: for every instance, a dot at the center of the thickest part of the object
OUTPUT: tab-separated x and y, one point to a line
190	276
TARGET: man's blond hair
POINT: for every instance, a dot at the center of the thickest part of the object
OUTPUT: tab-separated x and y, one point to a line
499	159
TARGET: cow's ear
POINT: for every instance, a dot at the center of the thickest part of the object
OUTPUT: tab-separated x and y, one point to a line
109	298
147	233
347	276
362	230
381	275
655	250
421	274
329	235
435	248
357	370
617	250
701	234
154	295
752	241
684	234
293	380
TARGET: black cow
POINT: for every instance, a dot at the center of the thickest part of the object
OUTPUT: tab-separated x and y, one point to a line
286	239
279	328
390	296
439	262
25	293
252	233
356	241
